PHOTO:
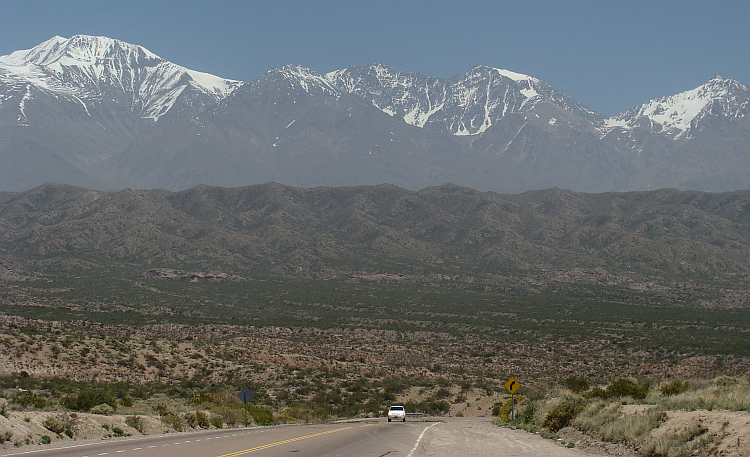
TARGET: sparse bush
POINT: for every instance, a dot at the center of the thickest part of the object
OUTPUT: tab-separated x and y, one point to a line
576	385
261	416
136	422
5	435
441	394
726	381
563	413
59	426
597	415
674	387
173	420
626	388
103	409
294	414
526	415
197	419
596	392
320	414
117	431
230	416
31	400
503	410
682	444
162	409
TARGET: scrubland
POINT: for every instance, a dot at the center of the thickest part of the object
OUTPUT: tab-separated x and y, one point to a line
675	418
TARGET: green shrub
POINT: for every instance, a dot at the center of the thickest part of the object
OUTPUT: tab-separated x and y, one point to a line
45	439
88	399
576	385
563	413
674	387
117	431
320	414
5	435
596	392
31	400
626	388
216	421
261	416
503	411
441	393
526	414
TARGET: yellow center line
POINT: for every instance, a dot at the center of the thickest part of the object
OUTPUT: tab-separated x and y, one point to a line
278	443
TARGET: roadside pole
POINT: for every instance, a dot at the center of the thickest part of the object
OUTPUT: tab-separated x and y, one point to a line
512	386
246	395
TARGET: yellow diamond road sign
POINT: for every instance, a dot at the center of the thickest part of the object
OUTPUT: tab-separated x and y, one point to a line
512	385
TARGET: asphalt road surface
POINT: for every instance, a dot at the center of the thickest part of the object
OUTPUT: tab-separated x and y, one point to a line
374	438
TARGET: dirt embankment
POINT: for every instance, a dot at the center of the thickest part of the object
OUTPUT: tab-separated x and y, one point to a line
34	429
706	433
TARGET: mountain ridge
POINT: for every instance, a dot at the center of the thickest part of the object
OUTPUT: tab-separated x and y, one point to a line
635	236
101	113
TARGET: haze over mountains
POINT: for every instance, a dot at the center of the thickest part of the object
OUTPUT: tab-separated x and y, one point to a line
104	114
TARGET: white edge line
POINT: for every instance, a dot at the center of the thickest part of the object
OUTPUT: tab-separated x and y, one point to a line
421	435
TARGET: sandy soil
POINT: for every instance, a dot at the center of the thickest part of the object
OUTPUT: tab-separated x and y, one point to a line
477	437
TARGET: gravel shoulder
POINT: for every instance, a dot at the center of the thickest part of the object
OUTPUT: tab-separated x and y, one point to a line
479	437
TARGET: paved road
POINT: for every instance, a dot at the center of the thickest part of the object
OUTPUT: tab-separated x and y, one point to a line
376	438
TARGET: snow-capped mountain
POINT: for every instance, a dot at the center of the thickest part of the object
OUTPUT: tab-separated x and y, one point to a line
100	113
298	79
679	116
463	105
98	69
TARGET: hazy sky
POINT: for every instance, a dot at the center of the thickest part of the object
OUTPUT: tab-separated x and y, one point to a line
608	55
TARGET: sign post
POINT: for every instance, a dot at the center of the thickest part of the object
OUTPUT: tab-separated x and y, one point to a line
512	386
246	395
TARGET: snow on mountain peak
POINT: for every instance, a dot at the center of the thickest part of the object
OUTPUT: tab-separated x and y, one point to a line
514	76
462	105
88	67
675	115
296	78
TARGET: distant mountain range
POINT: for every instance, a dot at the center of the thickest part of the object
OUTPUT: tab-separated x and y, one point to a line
104	114
609	238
